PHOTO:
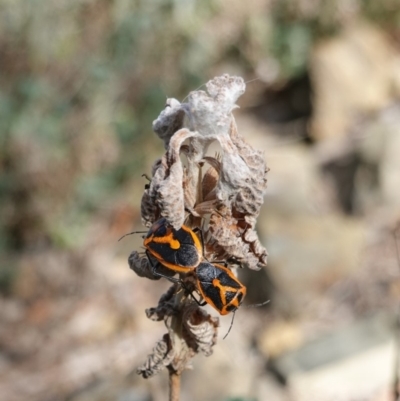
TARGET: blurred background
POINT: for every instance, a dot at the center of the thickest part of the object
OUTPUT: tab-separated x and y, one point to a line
81	82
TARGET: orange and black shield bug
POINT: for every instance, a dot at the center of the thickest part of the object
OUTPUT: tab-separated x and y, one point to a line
219	287
179	250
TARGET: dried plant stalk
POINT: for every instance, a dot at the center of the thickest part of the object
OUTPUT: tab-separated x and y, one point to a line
222	194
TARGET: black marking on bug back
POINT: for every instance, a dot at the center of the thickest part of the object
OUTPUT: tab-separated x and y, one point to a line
230	297
183	236
206	273
187	256
227	281
212	294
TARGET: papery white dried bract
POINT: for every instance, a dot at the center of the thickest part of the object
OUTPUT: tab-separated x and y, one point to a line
211	113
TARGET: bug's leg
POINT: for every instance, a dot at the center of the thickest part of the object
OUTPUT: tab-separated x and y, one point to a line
189	291
197	301
232	261
221	262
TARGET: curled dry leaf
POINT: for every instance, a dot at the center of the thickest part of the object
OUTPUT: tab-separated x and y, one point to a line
170	121
256	248
165	192
141	266
161	357
190	330
200	329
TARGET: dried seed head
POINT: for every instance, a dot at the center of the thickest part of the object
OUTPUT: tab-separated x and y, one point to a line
224	199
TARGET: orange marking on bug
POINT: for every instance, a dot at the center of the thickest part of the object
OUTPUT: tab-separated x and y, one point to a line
195	238
177	268
166	239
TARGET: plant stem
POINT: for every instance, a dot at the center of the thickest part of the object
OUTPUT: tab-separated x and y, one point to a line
174	385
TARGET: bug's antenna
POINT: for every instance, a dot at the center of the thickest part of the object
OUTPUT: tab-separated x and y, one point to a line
229	330
133	232
247	306
257	305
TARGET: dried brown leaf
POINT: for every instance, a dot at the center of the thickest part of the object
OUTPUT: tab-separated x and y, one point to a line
166	187
141	266
209	184
201	329
161	357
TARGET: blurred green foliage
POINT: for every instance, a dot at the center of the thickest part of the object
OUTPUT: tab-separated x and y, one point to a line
297	25
82	80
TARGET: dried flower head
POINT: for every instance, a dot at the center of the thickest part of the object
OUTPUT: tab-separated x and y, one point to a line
221	194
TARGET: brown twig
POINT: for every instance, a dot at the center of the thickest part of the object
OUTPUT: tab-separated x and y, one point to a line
174	385
396	381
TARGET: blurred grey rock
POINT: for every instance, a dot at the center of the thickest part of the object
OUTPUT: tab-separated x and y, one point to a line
311	243
349	363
